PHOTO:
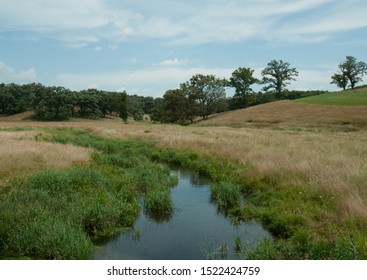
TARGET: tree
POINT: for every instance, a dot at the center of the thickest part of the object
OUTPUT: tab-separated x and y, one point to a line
88	103
121	105
350	71
278	75
8	102
242	79
206	93
135	106
175	107
55	104
340	80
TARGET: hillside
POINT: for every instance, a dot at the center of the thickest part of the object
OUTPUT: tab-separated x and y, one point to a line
292	113
357	97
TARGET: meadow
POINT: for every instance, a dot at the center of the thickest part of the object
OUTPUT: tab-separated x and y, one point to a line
302	175
356	97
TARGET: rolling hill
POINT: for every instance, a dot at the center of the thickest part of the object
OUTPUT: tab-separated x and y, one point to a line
339	108
356	97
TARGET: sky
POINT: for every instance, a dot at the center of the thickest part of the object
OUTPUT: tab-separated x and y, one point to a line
149	47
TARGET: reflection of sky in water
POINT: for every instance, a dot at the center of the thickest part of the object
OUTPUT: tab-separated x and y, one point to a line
195	230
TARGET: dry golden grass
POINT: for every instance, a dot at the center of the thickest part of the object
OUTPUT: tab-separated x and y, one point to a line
21	155
331	162
292	113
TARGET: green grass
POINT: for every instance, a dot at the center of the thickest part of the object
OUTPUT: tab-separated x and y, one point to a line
356	97
58	214
225	194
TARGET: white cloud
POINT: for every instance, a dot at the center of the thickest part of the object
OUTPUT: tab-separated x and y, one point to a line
10	75
312	80
188	22
98	49
174	62
158	80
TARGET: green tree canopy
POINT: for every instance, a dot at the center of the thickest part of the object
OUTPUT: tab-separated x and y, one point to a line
340	80
56	103
206	93
242	79
176	107
277	75
350	72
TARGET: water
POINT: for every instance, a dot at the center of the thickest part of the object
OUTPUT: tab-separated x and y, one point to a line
197	230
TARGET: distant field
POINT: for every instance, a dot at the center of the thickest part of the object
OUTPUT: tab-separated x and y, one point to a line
357	97
289	113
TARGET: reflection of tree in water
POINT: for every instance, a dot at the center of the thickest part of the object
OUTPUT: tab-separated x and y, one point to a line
195	179
159	218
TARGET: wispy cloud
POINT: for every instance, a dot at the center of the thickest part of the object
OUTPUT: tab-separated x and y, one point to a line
10	75
174	62
138	81
185	22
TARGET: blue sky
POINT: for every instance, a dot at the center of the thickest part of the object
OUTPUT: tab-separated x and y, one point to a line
148	47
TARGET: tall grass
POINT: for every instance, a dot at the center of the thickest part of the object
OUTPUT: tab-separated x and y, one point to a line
302	177
225	194
22	155
55	214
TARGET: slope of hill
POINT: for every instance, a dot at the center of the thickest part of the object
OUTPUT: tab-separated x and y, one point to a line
17	117
357	97
292	113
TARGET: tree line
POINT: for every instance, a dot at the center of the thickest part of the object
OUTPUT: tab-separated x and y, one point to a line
59	103
201	96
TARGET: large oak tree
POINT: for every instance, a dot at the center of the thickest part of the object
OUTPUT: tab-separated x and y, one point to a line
277	75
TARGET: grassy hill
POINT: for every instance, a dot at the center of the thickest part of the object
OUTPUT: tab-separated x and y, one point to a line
357	97
347	108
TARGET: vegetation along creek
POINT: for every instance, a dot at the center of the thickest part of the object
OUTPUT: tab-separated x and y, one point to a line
126	194
196	229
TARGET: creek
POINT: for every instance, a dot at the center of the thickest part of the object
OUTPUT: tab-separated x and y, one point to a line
196	231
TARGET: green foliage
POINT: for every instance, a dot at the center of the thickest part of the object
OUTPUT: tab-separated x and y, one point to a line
56	103
14	99
225	194
350	72
278	75
206	92
56	214
175	107
340	80
242	79
137	106
87	103
29	229
158	202
121	105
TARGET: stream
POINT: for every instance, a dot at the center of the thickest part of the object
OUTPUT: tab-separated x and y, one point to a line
196	231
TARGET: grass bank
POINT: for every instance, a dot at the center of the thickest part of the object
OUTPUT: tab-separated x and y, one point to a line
58	213
297	191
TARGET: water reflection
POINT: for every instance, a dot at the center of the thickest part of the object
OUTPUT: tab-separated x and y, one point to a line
196	230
